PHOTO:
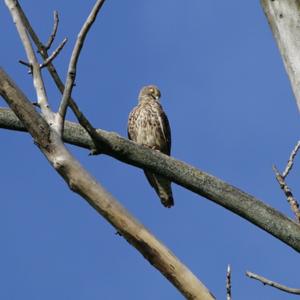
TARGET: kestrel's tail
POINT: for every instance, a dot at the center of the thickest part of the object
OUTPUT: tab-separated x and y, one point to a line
162	187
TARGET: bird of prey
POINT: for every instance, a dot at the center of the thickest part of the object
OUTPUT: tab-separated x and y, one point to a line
148	125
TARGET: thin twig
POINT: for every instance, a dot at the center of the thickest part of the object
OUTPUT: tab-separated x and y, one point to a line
54	54
37	77
274	284
25	63
228	283
288	193
73	62
291	160
54	30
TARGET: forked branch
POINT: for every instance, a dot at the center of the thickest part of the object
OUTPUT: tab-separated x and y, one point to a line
281	179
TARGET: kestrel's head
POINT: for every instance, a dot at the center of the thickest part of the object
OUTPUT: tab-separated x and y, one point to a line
149	92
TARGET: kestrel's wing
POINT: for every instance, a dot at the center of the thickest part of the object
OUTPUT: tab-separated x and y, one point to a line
131	128
164	128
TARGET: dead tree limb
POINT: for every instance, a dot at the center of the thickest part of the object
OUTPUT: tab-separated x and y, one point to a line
284	20
206	185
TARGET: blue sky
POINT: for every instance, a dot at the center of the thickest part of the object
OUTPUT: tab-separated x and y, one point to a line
232	114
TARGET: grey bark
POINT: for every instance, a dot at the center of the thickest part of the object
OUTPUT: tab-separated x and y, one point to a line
206	185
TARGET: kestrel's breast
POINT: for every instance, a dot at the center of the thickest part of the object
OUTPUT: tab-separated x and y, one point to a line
145	127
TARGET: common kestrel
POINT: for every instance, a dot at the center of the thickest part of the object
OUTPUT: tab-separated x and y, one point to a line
148	125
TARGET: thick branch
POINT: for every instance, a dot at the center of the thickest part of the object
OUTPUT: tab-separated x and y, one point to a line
274	284
284	19
206	185
83	184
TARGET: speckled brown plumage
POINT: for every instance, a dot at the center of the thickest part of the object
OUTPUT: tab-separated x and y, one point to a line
148	125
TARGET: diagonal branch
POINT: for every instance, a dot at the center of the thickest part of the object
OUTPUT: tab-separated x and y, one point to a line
274	284
206	185
82	183
37	77
73	62
284	19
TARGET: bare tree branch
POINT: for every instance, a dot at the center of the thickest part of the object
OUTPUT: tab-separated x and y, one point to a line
73	61
81	182
284	20
54	31
274	284
228	283
206	185
37	78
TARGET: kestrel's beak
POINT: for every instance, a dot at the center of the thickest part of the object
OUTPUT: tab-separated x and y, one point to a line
156	97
